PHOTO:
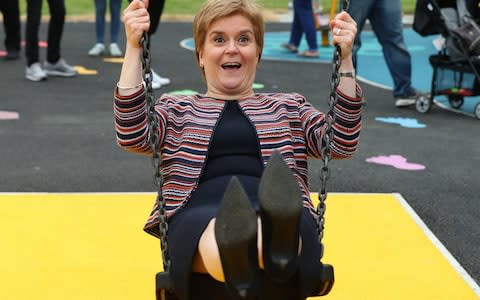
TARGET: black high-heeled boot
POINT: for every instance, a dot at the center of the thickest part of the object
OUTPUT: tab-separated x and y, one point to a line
236	235
281	208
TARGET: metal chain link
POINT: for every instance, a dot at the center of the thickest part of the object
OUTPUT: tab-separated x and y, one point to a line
154	145
327	138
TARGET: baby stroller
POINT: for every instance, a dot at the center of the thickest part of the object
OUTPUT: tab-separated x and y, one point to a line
456	67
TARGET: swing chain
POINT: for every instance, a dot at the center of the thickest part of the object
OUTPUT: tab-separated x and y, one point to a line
328	136
154	140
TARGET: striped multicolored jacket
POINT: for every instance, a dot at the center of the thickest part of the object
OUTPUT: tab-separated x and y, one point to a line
284	122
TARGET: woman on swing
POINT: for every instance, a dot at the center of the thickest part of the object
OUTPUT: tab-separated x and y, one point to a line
234	162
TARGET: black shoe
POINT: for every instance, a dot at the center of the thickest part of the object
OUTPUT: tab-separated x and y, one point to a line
12	55
281	209
236	235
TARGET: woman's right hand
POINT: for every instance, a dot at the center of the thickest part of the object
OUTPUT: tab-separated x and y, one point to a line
136	21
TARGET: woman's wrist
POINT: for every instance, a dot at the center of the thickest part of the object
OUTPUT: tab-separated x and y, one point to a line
350	74
131	87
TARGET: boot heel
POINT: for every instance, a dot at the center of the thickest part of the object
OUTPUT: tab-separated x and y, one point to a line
281	209
236	235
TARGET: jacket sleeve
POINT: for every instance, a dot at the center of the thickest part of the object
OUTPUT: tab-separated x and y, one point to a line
346	128
131	123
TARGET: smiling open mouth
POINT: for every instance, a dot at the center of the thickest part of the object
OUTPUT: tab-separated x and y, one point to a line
230	66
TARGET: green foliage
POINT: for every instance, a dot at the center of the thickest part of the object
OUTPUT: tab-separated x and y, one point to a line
189	7
408	6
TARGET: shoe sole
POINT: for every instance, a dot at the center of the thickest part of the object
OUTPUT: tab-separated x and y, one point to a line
60	74
281	209
236	235
290	48
405	104
308	55
36	79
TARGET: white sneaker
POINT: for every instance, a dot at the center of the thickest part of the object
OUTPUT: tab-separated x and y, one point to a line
406	100
159	80
156	85
35	72
60	68
97	50
115	50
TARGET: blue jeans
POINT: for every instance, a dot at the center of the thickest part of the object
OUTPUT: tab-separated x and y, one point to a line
385	17
100	10
303	23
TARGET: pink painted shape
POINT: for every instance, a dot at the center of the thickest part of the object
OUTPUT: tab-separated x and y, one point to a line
396	161
8	115
3	53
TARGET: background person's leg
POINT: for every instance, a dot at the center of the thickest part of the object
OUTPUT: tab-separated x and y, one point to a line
360	11
34	8
55	29
100	9
386	20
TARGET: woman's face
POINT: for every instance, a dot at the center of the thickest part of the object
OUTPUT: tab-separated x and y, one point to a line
229	58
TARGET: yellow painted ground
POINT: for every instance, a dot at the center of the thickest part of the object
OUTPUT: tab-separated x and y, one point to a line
91	246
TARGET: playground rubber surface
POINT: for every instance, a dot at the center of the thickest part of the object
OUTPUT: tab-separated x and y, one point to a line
67	188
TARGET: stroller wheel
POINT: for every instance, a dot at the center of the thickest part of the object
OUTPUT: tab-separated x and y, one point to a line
455	101
423	103
477	111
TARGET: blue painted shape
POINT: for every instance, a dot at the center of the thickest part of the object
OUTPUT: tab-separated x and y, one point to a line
404	122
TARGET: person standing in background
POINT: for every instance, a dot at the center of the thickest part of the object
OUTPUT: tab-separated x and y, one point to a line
11	23
54	65
385	17
100	11
303	22
155	9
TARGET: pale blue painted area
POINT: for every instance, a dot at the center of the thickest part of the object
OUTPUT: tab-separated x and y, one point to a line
272	49
404	122
371	64
369	55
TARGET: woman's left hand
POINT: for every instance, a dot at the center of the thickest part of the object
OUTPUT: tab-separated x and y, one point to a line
344	30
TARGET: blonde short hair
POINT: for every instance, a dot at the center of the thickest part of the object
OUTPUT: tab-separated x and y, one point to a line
213	10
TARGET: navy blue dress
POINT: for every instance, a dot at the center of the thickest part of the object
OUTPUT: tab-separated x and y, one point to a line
233	151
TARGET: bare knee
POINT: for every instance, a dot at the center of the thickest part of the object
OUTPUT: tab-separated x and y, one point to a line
208	252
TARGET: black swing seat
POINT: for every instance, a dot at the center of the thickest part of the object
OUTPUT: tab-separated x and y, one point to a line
203	286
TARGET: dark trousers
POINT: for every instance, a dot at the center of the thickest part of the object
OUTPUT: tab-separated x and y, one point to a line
11	22
155	9
473	7
55	29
